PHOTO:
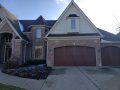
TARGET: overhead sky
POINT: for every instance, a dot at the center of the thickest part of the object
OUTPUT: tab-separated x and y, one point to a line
105	14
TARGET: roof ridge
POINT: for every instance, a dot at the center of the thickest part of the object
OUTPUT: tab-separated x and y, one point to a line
40	21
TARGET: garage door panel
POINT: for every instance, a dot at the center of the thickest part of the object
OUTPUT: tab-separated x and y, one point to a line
110	56
74	56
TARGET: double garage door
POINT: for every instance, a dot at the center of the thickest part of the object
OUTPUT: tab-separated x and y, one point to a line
85	56
74	56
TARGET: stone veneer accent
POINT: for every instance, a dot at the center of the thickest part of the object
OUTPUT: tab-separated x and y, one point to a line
54	43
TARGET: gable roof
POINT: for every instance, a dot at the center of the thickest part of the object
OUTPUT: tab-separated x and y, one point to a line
84	16
51	22
109	36
13	22
39	21
27	23
18	30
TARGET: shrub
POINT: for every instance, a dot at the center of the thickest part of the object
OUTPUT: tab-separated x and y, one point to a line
33	72
11	64
35	62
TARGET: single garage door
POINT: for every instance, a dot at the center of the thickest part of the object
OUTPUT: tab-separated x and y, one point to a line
74	56
110	56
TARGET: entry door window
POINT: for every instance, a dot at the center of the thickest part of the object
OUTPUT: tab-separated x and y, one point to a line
8	51
38	52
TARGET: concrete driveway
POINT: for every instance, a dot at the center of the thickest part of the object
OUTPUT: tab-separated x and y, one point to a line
70	78
83	78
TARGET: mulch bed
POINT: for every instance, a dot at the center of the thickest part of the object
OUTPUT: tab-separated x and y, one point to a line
32	72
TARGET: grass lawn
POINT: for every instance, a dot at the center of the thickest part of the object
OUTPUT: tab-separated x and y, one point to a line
8	87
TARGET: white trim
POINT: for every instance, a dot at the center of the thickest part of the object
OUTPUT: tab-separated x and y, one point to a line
24	53
38	26
47	52
73	38
105	41
84	16
4	53
2	21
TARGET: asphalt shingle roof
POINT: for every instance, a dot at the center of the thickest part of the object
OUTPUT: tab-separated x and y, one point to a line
39	21
106	35
109	36
17	28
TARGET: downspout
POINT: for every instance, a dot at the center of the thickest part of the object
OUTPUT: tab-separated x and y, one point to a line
24	52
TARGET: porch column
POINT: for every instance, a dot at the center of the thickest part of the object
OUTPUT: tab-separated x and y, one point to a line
98	56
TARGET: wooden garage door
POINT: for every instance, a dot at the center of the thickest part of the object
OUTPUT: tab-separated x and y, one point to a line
110	56
74	56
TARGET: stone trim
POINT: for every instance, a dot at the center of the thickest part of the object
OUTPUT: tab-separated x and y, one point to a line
110	44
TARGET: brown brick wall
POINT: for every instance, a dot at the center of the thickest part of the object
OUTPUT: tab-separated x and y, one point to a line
38	42
15	44
18	50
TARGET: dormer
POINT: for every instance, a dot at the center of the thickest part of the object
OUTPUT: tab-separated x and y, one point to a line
73	21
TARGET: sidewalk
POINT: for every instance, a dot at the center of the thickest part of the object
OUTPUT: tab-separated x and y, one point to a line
29	84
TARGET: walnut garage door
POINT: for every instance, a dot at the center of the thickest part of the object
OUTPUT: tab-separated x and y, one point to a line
74	56
110	56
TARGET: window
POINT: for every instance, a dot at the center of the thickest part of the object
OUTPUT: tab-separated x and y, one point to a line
38	52
38	33
73	24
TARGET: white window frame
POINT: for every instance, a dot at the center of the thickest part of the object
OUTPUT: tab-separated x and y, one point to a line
76	27
38	33
73	24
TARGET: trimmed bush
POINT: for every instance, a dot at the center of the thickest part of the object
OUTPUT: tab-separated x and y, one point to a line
35	62
33	72
11	64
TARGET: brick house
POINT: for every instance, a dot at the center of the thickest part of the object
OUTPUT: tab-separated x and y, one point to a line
72	40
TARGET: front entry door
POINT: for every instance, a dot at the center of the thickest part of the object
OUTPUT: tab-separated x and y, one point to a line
7	55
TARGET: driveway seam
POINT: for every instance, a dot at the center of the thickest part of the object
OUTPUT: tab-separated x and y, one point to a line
90	80
43	83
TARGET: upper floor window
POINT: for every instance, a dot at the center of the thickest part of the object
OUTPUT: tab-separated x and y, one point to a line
73	24
38	33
